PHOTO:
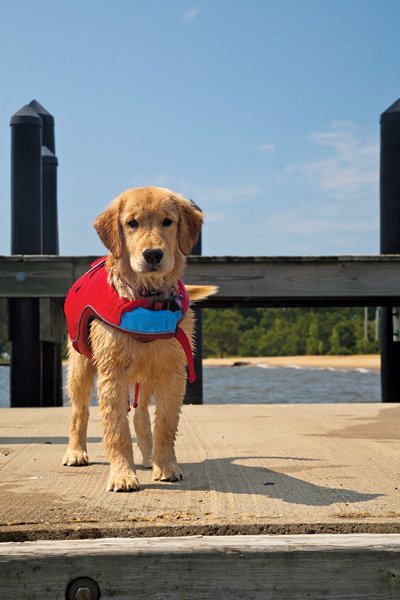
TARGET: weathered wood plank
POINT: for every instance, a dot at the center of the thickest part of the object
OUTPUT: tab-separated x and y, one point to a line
254	281
334	567
289	281
35	277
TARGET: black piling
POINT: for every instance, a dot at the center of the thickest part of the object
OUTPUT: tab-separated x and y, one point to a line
390	244
48	138
26	202
51	351
49	239
26	181
36	376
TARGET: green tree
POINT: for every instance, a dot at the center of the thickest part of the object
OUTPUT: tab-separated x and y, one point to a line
286	331
221	332
343	339
314	345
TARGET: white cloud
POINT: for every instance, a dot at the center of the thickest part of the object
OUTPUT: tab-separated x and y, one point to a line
342	124
266	147
324	226
233	194
348	163
217	216
190	14
340	212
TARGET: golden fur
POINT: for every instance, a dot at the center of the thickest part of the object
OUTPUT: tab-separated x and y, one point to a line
139	220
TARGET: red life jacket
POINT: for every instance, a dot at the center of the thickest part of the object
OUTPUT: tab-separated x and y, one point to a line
92	297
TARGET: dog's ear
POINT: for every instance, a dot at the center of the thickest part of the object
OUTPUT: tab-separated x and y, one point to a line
190	222
108	228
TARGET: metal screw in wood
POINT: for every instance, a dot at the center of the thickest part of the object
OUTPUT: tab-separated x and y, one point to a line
83	588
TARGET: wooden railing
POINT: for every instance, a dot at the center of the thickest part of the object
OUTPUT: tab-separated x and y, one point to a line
242	281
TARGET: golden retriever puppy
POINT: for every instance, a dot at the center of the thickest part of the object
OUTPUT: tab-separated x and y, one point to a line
148	232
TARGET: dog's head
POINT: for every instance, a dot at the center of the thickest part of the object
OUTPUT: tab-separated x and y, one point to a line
152	229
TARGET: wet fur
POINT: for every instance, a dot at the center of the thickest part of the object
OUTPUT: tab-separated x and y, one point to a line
119	360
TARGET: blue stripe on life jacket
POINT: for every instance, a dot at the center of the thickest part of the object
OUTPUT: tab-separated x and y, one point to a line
151	322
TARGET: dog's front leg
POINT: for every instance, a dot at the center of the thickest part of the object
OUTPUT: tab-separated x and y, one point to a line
81	373
169	394
113	395
141	421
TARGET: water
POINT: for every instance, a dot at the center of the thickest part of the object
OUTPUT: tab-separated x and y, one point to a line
225	385
259	384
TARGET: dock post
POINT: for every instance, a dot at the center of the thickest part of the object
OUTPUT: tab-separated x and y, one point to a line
26	200
49	212
51	351
48	139
194	391
390	243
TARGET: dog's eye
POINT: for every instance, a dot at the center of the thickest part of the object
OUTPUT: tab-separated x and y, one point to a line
167	222
133	224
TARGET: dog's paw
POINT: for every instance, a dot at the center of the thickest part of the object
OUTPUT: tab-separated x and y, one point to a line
75	458
123	481
170	472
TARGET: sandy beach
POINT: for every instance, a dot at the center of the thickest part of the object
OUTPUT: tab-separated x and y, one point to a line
357	361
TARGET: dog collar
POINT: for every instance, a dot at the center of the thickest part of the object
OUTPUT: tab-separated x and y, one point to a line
147	292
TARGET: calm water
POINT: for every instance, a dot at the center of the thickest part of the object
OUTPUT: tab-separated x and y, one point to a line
225	385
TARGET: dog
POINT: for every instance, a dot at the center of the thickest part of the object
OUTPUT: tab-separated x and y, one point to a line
148	232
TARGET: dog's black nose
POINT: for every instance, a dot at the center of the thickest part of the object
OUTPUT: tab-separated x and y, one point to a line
153	257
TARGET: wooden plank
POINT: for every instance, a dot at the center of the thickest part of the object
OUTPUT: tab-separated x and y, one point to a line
291	281
40	276
253	281
334	567
35	279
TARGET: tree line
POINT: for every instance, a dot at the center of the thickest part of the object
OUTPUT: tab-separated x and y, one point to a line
288	331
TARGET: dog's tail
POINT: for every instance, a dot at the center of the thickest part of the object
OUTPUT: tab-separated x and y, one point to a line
200	292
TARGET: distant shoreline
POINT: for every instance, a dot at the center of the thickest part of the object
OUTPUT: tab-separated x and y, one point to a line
354	361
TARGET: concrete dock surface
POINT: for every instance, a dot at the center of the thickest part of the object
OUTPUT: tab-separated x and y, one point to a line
248	469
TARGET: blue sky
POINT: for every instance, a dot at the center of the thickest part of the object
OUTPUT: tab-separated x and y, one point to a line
265	112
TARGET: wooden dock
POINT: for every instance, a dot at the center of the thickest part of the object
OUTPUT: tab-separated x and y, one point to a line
250	470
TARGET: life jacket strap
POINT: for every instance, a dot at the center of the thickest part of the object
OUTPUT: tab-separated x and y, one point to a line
184	342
